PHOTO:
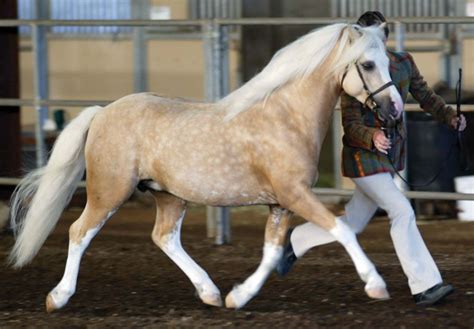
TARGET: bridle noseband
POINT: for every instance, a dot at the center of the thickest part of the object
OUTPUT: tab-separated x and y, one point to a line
373	106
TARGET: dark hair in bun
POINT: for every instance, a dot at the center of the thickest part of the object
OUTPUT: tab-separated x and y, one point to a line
370	18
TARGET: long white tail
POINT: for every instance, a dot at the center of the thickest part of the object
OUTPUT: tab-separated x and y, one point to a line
42	195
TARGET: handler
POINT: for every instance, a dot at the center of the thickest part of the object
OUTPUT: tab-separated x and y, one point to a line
366	149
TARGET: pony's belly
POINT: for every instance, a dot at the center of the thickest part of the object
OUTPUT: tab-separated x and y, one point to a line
213	182
226	195
241	199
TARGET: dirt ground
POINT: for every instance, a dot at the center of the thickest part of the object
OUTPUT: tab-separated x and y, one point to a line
126	281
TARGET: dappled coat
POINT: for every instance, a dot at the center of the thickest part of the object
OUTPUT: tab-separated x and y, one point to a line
359	156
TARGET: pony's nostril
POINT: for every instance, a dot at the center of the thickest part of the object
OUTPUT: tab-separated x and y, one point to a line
393	110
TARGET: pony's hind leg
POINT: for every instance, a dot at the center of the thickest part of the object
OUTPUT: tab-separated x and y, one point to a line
275	231
105	194
166	235
81	232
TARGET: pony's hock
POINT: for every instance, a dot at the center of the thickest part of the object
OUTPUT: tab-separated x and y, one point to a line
258	145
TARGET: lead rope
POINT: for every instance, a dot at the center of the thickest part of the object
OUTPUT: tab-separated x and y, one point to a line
463	156
445	162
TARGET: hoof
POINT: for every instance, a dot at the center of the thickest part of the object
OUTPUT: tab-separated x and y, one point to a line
379	293
237	298
50	305
213	300
230	302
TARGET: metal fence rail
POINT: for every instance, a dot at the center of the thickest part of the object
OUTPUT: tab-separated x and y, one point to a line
418	195
102	102
229	21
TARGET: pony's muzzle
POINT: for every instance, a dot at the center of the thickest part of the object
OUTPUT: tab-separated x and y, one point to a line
388	111
395	113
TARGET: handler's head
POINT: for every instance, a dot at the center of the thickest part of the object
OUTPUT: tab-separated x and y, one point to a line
370	18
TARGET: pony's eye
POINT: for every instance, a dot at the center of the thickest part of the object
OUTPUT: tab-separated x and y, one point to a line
368	66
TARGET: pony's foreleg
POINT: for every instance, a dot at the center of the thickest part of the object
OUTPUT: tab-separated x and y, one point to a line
304	202
81	232
166	235
275	231
375	286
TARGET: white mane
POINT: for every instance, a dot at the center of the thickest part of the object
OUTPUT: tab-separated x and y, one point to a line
301	58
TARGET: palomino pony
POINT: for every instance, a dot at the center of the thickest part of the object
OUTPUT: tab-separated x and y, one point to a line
258	145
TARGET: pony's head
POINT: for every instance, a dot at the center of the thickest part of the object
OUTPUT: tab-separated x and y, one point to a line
366	73
331	52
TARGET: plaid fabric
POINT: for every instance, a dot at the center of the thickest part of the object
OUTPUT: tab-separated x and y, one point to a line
359	156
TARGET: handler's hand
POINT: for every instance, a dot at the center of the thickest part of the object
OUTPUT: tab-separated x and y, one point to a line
462	123
381	142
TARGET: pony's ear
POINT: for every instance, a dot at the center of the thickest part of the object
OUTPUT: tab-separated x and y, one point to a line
382	28
354	32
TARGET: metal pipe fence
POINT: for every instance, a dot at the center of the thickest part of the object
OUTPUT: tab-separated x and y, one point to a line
215	35
229	21
84	103
416	195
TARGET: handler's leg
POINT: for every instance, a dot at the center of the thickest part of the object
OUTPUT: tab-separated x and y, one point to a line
359	210
414	257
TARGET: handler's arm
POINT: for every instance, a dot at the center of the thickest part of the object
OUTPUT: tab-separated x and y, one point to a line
429	101
356	133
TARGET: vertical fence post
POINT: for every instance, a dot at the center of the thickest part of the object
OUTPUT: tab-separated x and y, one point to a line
140	10
216	80
337	148
221	49
10	130
400	46
399	36
208	86
40	76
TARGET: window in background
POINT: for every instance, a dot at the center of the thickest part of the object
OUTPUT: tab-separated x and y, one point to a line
84	9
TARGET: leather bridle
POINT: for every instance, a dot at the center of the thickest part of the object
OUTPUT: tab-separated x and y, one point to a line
373	106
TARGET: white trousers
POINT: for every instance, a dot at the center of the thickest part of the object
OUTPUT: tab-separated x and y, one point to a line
380	191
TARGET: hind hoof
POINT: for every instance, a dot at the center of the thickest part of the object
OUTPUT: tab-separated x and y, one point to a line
378	293
213	300
50	305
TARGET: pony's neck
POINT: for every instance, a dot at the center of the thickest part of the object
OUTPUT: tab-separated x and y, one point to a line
310	101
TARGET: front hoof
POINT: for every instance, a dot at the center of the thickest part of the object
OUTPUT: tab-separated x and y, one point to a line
50	305
238	297
230	302
379	293
213	300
